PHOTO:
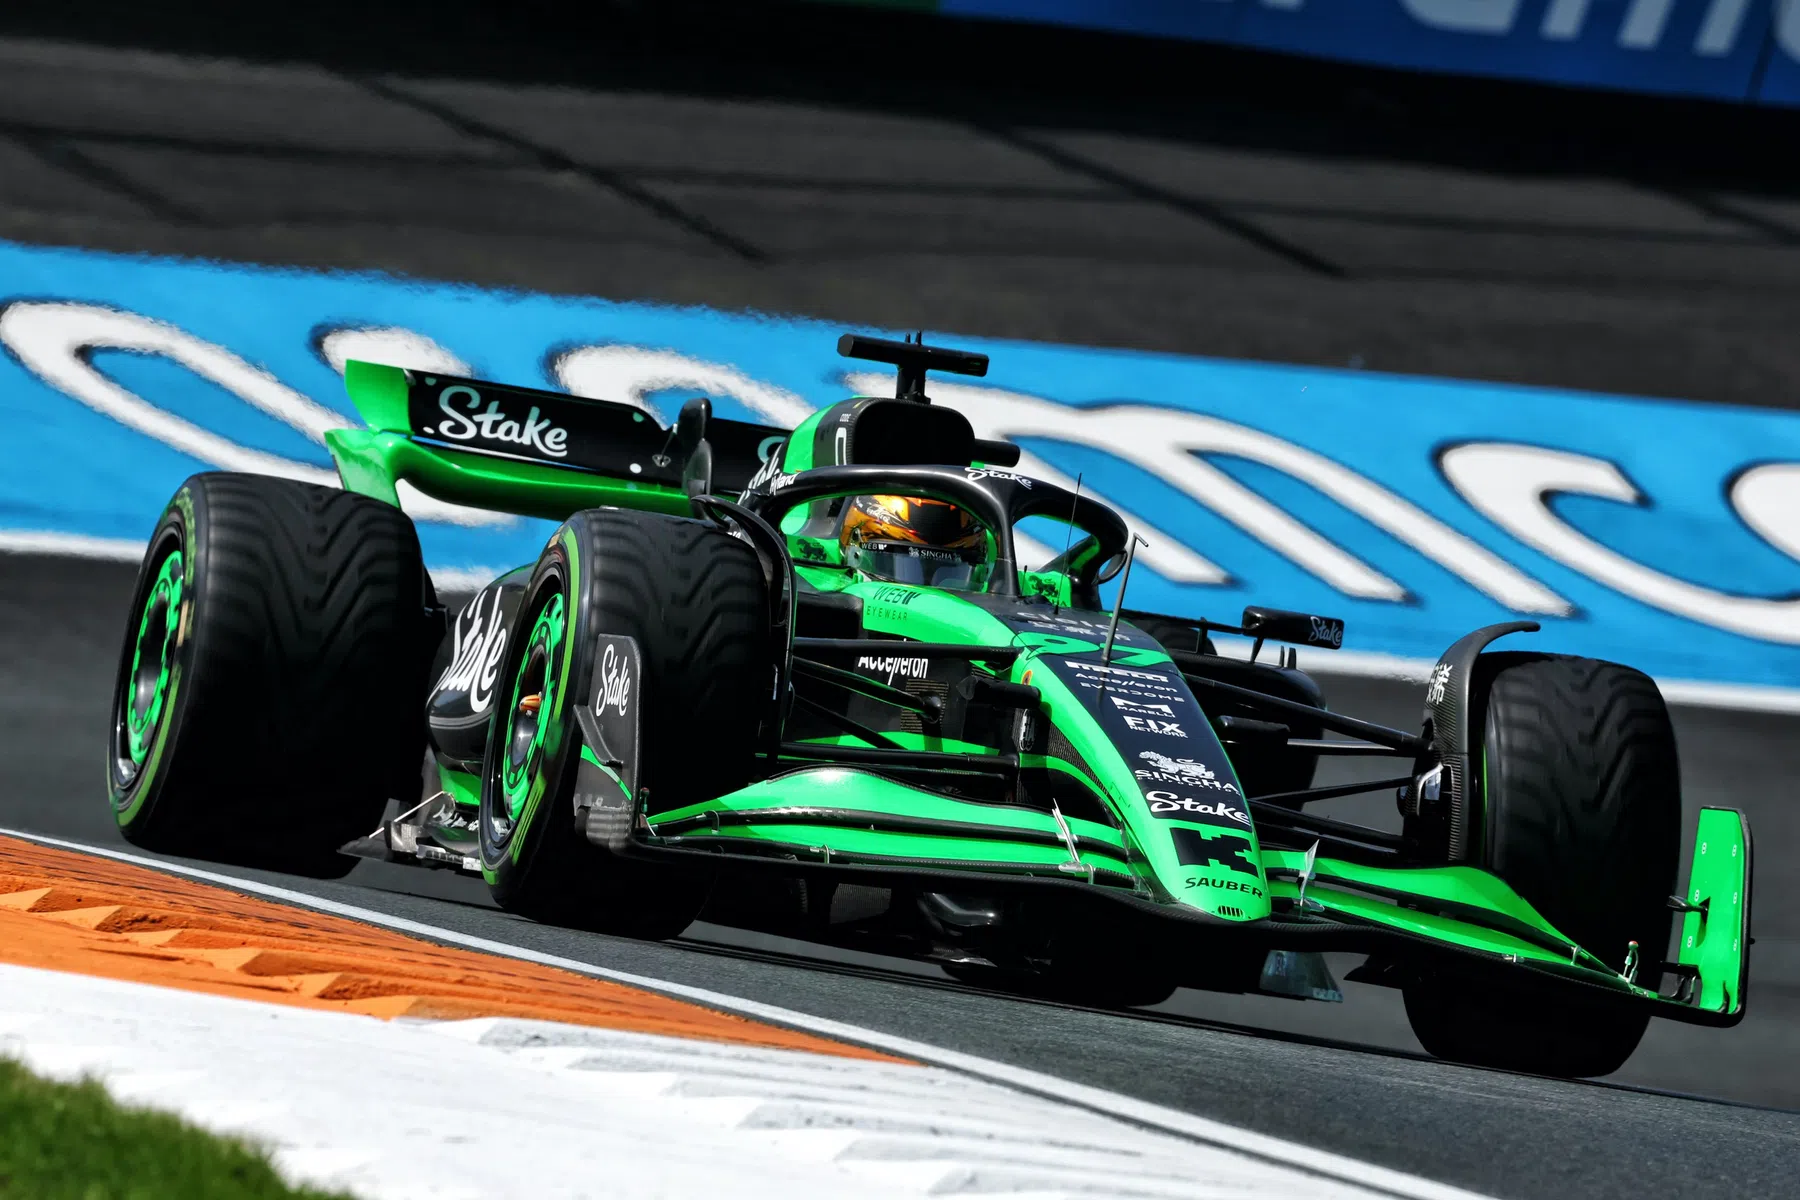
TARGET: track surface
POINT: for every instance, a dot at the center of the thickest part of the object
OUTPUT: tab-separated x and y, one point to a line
1348	1078
1012	184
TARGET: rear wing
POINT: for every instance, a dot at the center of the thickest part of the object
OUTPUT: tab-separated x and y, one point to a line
523	450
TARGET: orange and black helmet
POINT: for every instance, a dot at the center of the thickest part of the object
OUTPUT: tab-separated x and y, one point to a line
910	539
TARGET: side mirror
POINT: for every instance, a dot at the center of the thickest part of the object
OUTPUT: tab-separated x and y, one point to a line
1300	629
1110	568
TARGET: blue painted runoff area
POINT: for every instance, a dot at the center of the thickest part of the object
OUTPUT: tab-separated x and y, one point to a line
1742	50
1297	487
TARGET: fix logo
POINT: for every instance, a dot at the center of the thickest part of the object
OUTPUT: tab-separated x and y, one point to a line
478	640
1207	848
1152	725
1183	772
907	668
536	433
1168	804
615	683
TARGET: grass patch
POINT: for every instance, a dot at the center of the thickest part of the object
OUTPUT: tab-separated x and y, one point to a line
73	1140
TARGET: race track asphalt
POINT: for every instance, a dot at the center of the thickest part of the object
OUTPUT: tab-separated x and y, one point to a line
1006	183
1701	1112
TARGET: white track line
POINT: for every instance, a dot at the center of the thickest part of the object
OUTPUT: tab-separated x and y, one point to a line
498	1108
1698	693
1277	1151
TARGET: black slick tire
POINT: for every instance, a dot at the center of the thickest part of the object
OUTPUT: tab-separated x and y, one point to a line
1581	814
695	601
270	694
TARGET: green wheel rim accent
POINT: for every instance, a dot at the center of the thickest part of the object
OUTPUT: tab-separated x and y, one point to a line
529	729
152	657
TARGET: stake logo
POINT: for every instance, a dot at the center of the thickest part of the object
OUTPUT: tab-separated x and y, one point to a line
990	473
1168	804
537	434
615	684
478	640
769	474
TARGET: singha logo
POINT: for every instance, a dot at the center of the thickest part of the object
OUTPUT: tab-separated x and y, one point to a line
1185	767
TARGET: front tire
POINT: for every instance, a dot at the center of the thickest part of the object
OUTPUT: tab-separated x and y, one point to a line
270	694
1582	816
694	600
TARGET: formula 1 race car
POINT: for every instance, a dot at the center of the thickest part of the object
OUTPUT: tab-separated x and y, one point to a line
800	680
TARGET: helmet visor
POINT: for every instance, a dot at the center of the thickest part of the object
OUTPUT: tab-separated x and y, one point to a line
922	566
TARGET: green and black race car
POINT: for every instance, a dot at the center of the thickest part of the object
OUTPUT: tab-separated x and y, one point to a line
746	676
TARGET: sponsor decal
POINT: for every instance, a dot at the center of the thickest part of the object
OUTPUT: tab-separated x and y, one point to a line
1169	804
614	692
1152	725
1327	632
478	640
895	595
1075	625
769	474
1440	679
1228	885
1130	705
907	668
1184	772
1210	848
537	434
990	473
1147	678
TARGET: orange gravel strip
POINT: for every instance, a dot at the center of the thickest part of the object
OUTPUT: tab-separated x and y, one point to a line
67	911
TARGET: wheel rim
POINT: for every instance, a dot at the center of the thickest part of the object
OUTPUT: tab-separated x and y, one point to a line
531	716
145	695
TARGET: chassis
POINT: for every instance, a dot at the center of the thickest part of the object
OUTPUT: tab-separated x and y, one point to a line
1038	793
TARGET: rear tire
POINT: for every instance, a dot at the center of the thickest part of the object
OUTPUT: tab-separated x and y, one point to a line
1581	815
694	599
270	694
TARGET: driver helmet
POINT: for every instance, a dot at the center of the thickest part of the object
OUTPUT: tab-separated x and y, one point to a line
910	539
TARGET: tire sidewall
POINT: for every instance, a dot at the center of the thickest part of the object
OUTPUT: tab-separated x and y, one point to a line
510	861
134	801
